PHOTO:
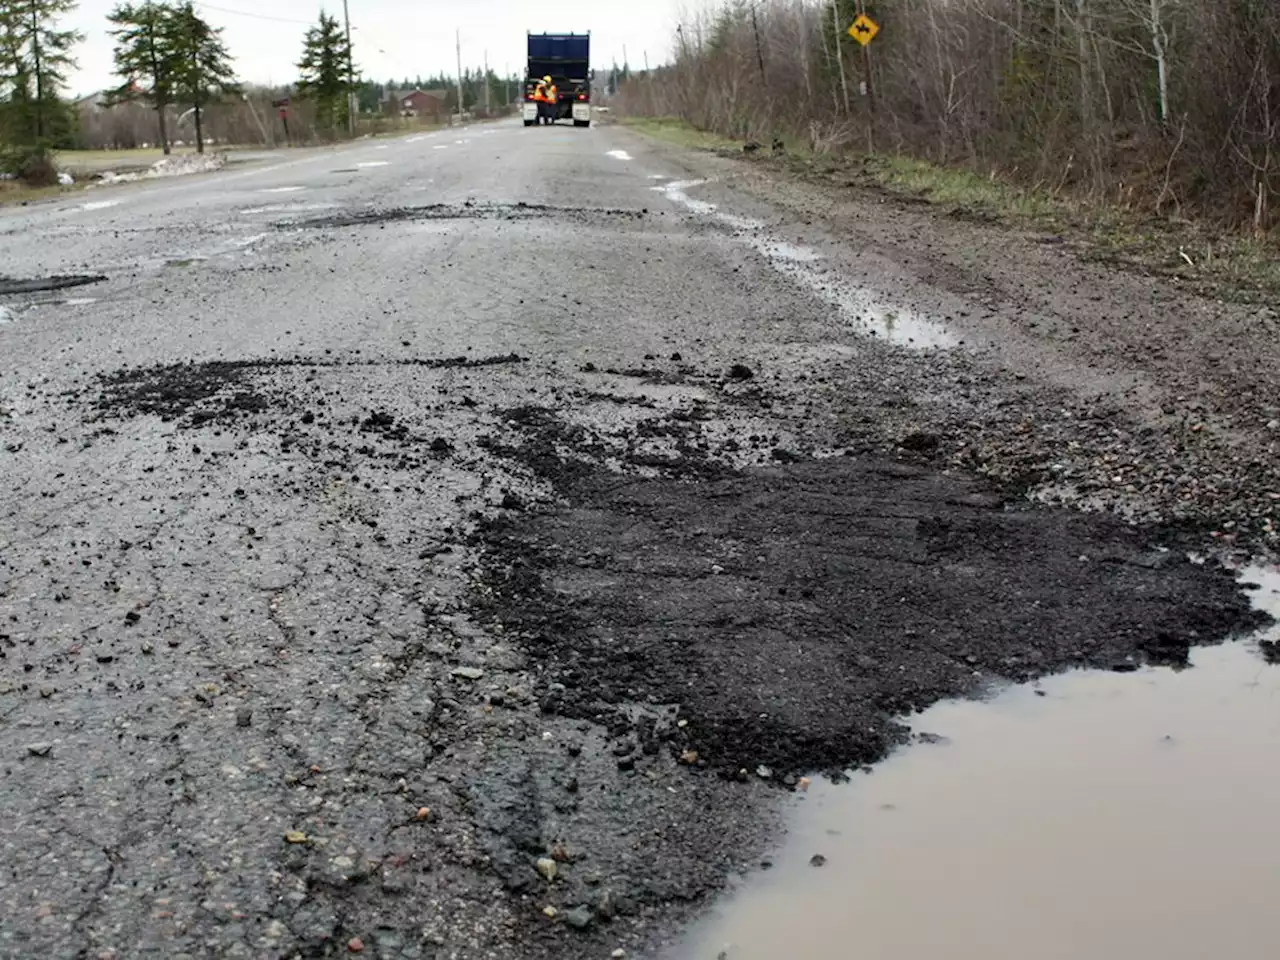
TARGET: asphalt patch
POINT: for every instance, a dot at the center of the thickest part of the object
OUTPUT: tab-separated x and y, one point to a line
469	211
215	392
14	285
200	392
793	613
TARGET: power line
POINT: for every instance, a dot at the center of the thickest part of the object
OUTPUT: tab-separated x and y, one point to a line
254	16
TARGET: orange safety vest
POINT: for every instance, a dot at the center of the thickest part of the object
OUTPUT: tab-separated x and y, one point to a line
553	95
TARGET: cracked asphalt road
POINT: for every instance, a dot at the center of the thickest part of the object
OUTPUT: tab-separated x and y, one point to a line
399	525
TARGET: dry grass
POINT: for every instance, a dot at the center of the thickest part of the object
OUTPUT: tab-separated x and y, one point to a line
14	192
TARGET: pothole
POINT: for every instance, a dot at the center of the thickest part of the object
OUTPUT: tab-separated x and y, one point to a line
470	211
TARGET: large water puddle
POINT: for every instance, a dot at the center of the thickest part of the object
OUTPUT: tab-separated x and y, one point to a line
1092	816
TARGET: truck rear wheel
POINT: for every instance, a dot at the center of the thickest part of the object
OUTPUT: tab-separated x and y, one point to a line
530	123
582	123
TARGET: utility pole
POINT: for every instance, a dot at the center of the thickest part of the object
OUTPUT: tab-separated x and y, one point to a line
487	104
866	67
458	36
351	74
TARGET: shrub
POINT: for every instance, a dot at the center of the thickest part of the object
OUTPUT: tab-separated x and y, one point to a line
35	166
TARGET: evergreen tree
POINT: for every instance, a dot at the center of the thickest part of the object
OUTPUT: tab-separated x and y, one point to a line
324	70
202	69
146	58
35	56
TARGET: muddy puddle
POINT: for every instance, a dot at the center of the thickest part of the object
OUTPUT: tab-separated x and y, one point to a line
804	266
1091	815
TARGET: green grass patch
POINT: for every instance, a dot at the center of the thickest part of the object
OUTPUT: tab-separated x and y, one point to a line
954	186
674	130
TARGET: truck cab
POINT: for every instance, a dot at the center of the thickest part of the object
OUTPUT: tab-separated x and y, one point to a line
566	59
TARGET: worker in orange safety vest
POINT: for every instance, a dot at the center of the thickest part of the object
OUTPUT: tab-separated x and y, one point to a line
549	105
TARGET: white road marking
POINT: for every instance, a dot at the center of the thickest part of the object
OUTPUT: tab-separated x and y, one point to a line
244	242
282	189
620	155
374	163
99	204
441	146
415	139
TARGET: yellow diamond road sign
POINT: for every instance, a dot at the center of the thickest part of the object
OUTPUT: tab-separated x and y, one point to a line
864	29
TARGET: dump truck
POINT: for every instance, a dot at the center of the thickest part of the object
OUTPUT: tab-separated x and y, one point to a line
566	59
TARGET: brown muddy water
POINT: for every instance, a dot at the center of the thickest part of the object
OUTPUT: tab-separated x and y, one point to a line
1091	816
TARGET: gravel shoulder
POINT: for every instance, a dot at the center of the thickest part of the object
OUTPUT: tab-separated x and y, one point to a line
1094	386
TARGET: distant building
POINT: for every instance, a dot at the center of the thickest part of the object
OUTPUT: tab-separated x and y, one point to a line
423	104
105	123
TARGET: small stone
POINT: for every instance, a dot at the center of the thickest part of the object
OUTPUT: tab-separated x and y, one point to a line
148	648
295	836
579	917
467	673
689	757
355	945
244	716
424	813
605	907
550	912
548	868
817	860
46	692
39	749
618	954
763	772
740	371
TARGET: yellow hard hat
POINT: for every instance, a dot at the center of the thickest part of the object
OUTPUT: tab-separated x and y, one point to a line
546	79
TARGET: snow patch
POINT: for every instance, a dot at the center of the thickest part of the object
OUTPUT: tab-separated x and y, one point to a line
182	166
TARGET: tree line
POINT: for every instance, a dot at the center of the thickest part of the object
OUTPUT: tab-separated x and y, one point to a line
171	60
1168	105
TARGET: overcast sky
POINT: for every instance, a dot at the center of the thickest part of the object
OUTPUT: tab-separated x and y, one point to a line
399	38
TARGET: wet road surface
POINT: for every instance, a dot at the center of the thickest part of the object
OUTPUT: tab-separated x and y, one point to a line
457	546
